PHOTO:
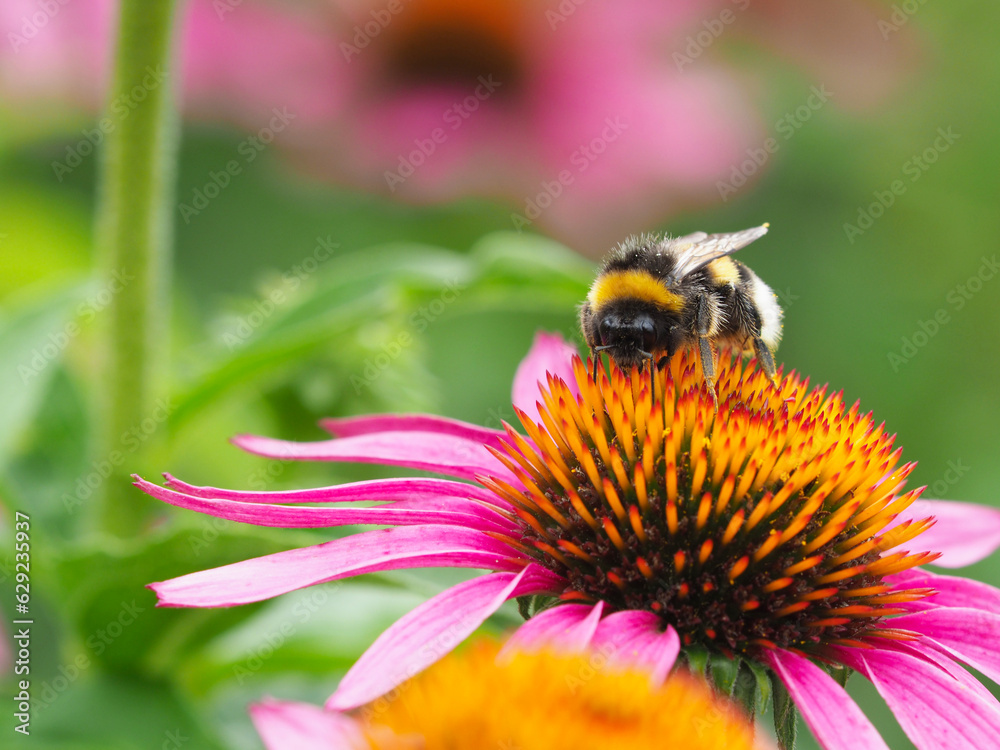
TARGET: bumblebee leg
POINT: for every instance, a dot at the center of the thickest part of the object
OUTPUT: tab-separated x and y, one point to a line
705	350
594	356
766	360
708	368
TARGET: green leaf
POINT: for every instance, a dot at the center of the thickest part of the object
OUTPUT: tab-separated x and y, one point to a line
839	673
725	672
319	631
785	716
762	680
752	688
33	339
697	659
114	614
99	710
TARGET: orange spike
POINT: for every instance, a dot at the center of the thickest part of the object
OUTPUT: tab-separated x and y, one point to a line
671	479
581	509
525	455
903	533
704	508
895	634
639	483
850	610
818	594
672	516
596	431
769	545
636	522
840	575
725	494
613	535
910	595
619	469
738	567
644	568
705	551
803	565
866	591
679	560
833	526
611	495
733	527
791	609
616	580
778	585
699	469
858	551
575	550
648	461
828	622
586	462
760	511
533	522
550	550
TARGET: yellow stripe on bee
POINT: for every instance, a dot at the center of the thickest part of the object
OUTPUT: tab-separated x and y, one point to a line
724	271
633	284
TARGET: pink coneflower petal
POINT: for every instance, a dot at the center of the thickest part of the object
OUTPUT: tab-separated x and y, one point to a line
453	511
284	725
385	549
965	533
926	650
549	354
444	454
970	635
427	633
935	709
406	488
563	625
636	638
366	425
832	715
952	591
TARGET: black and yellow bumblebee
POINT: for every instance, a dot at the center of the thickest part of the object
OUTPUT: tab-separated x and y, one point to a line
654	296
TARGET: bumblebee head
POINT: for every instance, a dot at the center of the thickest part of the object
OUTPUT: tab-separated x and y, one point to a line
632	332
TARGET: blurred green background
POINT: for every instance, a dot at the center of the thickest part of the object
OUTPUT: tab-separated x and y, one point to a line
856	305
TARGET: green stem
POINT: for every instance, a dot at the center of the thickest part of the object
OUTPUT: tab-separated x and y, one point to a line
133	238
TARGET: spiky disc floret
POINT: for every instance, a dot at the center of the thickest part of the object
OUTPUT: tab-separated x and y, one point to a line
762	525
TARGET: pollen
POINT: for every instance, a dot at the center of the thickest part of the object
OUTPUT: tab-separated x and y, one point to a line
766	524
540	701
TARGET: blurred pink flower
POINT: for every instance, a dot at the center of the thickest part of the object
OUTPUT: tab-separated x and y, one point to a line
591	120
606	505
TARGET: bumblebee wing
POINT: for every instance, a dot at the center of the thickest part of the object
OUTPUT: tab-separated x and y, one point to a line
697	250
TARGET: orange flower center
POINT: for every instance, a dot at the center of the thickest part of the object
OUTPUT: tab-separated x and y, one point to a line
543	701
446	42
762	525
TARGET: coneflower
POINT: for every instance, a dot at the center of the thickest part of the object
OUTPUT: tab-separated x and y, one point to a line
773	533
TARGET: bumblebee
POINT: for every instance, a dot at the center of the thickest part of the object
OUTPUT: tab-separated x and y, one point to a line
654	296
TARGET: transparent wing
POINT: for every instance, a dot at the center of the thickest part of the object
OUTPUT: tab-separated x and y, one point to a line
696	250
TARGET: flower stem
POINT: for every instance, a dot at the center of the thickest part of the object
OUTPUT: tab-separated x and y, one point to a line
133	239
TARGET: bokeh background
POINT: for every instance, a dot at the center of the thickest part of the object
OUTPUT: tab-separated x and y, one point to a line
422	186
